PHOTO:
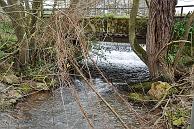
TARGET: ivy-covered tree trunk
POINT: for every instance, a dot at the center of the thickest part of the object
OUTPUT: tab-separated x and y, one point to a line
15	11
161	17
24	24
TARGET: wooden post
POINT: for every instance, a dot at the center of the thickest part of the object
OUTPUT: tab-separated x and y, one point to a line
147	3
182	11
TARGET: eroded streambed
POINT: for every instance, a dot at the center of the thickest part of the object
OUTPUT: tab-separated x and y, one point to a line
59	109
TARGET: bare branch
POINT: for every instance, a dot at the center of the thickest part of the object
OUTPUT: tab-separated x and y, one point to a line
147	3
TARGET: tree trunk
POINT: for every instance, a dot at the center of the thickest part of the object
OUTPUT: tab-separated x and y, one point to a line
132	38
36	10
161	17
36	13
24	24
15	11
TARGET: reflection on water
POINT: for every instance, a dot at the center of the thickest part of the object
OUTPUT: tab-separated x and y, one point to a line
60	110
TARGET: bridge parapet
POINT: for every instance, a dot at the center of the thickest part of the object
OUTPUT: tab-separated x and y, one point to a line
115	28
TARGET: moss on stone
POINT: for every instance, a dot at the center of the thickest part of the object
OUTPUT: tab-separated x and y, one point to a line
5	105
11	79
25	88
137	97
159	89
143	86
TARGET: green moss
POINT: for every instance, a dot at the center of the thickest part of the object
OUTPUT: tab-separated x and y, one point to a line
6	27
5	105
179	121
137	97
178	116
143	86
25	88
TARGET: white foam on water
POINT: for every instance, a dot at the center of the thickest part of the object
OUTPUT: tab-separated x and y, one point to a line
120	58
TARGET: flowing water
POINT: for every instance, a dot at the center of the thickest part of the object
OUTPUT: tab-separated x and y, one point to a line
61	110
119	63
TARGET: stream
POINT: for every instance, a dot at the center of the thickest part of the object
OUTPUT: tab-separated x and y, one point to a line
60	109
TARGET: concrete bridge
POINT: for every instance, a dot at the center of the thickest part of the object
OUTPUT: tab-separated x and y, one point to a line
112	28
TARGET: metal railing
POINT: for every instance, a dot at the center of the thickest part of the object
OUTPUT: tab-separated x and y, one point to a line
182	8
118	11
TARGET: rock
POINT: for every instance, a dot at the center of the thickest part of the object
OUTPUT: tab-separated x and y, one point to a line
7	100
11	79
1	77
4	105
25	88
12	101
159	89
2	87
42	86
14	94
2	53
